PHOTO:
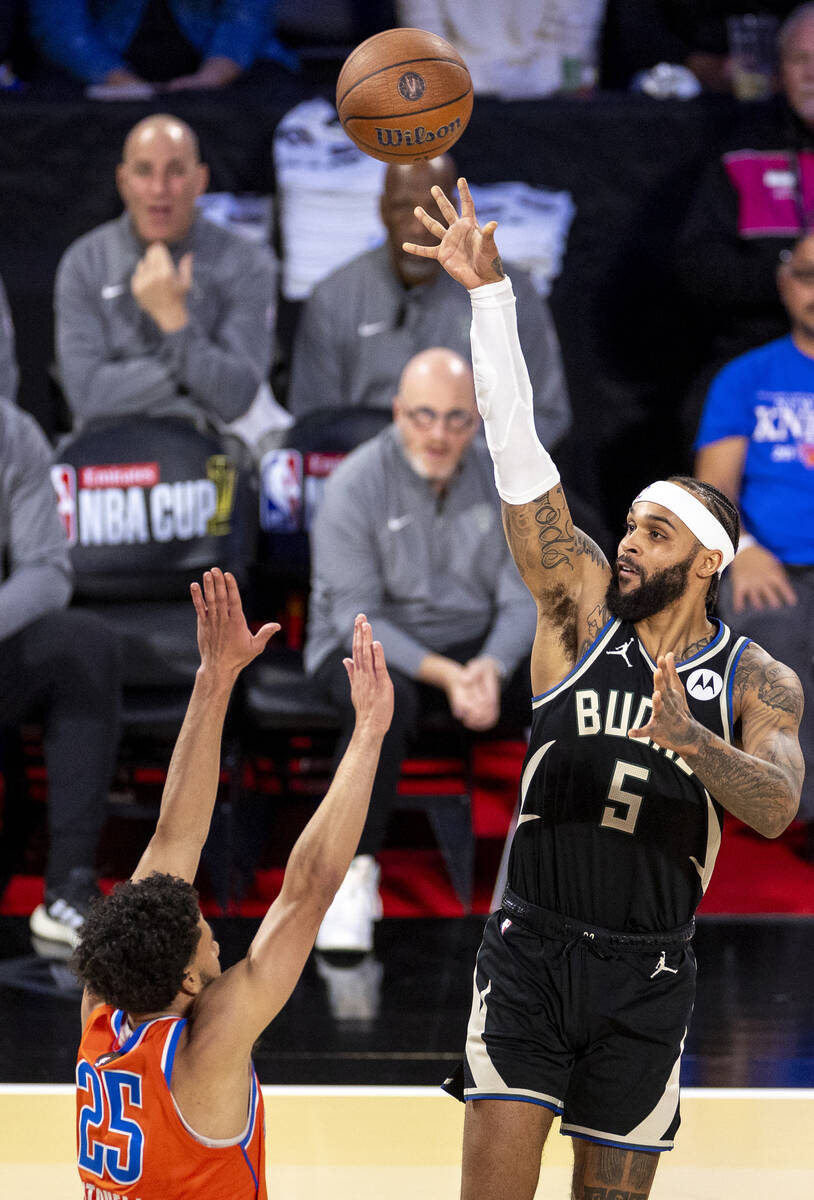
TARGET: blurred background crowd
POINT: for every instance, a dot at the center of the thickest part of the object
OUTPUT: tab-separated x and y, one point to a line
213	350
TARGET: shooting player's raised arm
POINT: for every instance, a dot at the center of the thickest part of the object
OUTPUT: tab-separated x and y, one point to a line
564	570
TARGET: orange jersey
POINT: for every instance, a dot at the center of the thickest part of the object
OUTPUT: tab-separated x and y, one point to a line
132	1143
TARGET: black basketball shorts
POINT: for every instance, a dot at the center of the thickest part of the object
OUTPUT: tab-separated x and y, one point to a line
583	1022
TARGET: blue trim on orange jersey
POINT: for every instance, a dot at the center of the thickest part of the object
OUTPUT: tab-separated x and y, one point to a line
250	1131
598	1141
116	1020
171	1047
251	1168
731	687
579	663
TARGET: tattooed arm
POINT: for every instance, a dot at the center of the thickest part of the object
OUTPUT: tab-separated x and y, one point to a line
760	782
566	573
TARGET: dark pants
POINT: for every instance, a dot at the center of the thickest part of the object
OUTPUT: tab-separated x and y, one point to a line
788	635
64	670
412	699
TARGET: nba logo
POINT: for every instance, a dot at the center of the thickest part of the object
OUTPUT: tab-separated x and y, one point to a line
281	491
63	477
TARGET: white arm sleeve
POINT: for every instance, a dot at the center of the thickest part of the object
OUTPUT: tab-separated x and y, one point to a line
523	467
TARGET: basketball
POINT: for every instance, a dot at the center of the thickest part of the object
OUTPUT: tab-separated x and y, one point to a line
404	95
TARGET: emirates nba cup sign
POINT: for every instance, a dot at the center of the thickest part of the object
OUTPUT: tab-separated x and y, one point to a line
118	504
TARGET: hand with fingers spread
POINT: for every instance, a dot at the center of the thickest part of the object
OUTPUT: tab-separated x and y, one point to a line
371	689
225	641
671	726
465	251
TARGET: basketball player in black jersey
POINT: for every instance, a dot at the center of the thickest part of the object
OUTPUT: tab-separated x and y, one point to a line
649	721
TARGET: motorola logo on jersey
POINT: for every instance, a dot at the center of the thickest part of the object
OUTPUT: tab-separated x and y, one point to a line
704	684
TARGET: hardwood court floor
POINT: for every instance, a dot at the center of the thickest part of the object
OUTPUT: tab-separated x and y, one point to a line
350	1068
404	1144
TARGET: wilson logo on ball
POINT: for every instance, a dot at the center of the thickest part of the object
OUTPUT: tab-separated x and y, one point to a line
411	86
415	137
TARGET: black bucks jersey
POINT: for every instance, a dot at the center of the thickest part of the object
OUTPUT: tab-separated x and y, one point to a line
614	830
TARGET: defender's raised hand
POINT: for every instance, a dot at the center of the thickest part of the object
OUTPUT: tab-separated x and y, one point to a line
465	251
225	641
671	726
371	689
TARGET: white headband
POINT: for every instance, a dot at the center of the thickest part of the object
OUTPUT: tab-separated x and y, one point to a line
695	515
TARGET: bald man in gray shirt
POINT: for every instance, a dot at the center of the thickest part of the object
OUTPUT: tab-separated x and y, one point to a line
364	321
160	312
408	531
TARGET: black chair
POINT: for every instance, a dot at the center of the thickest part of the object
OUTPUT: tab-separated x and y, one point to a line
149	504
297	720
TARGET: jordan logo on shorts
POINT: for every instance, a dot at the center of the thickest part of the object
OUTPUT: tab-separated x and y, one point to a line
622	650
662	966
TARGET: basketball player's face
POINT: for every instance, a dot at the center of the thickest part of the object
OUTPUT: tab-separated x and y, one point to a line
207	961
159	182
795	280
405	188
797	70
653	564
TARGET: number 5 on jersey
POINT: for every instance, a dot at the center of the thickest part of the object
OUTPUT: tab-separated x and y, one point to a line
623	811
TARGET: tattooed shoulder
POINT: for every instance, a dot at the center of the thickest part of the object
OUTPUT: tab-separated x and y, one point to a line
584	545
761	677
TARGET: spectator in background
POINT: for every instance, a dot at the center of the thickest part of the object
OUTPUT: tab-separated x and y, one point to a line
180	44
754	200
364	321
639	34
756	443
518	48
409	531
8	362
161	312
58	666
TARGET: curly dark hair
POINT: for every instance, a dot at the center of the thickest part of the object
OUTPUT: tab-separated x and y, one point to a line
137	942
724	511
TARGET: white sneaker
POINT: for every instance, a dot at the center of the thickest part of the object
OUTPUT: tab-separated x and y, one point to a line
348	923
59	922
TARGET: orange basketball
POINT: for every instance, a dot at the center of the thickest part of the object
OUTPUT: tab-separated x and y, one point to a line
404	95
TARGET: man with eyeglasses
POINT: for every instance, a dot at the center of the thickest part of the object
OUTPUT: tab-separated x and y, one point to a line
409	528
756	444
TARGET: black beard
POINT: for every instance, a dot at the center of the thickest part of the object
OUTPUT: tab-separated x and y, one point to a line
653	594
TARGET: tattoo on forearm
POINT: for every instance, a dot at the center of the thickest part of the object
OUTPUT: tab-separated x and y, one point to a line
761	786
497	266
540	534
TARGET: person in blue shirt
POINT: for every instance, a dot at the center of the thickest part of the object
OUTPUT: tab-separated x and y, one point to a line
756	443
182	44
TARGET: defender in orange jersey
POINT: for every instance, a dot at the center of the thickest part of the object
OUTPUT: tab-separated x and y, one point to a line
167	1100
